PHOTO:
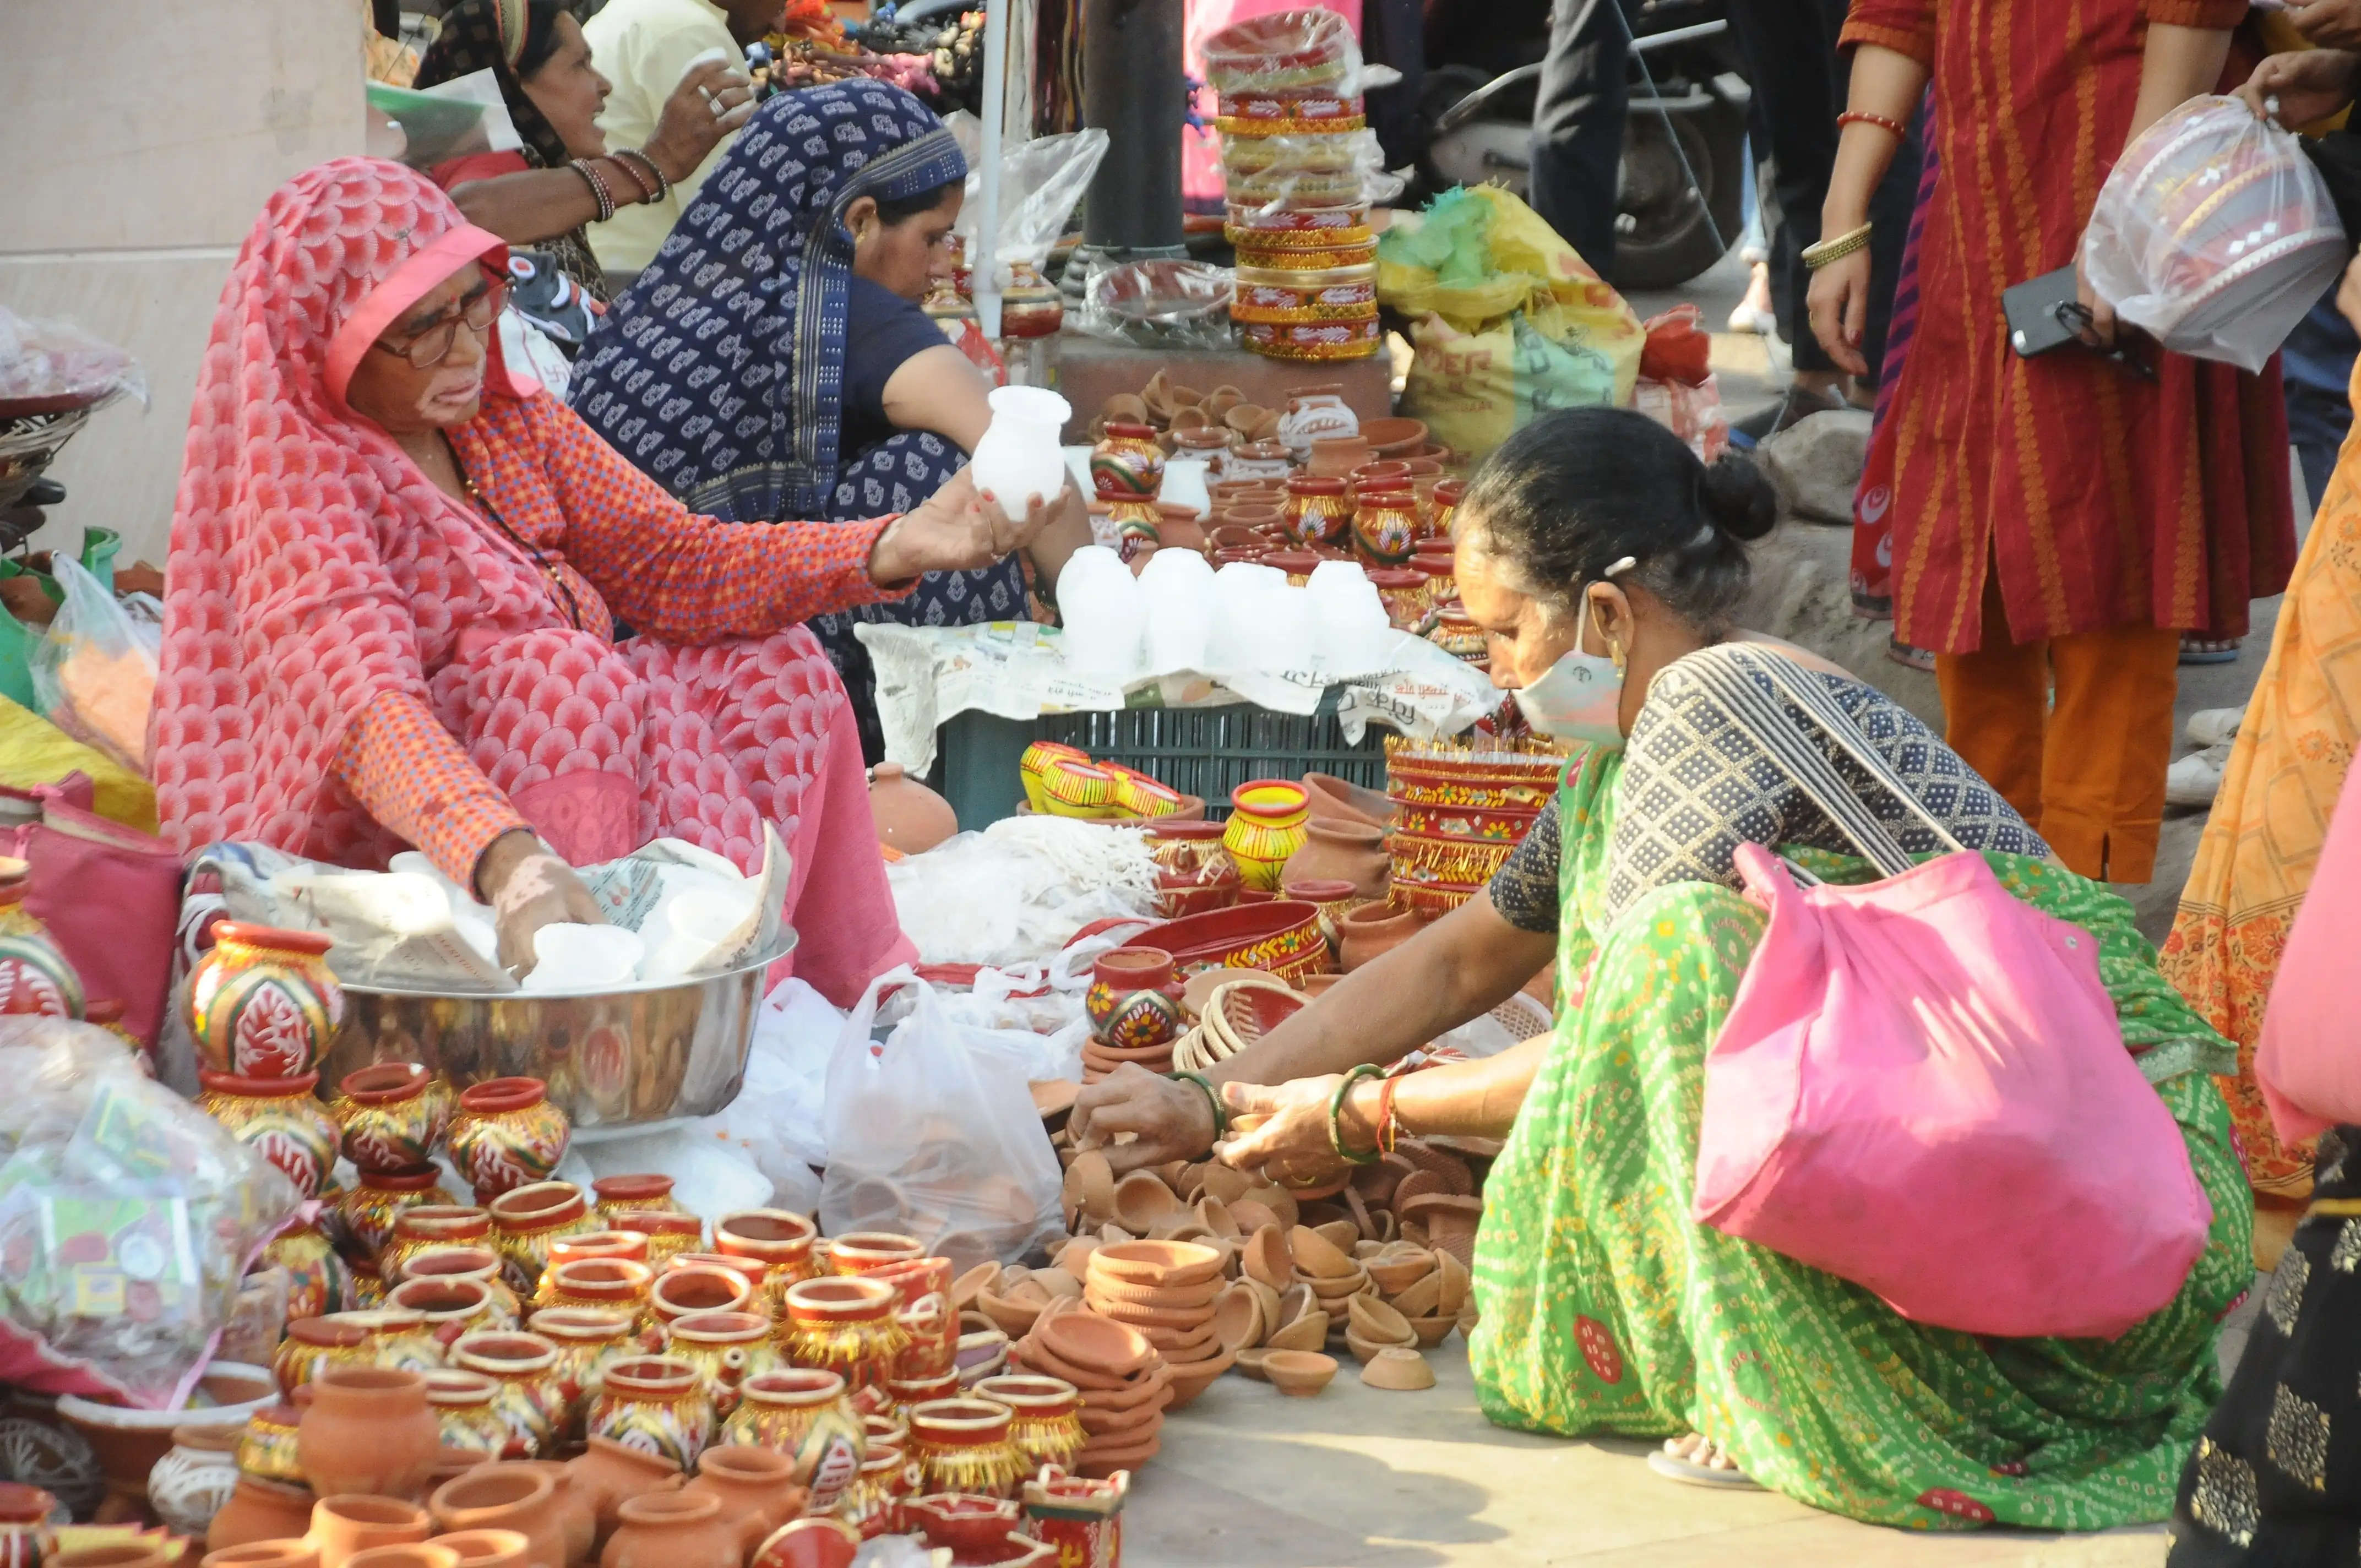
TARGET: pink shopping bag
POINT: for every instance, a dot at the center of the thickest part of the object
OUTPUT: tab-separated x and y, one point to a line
1922	1088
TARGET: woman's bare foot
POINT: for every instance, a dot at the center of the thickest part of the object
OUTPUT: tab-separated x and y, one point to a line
1700	1462
1701	1449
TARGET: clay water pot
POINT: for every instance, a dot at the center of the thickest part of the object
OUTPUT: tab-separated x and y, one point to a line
506	1135
434	1225
368	1431
726	1348
626	1194
1339	850
672	1530
616	1284
393	1115
778	1239
611	1245
313	1343
684	1291
610	1473
910	817
755	1487
521	1498
349	1523
530	1398
1373	930
654	1402
487	1548
259	1510
268	1552
576	1514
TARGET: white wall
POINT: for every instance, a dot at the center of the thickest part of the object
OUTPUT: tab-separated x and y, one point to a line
137	142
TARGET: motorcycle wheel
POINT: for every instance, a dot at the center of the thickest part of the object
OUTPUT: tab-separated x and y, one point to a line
1665	236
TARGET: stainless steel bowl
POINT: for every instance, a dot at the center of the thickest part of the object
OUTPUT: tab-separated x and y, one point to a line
626	1058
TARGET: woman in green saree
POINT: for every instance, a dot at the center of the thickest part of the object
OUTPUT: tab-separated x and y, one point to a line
1604	1306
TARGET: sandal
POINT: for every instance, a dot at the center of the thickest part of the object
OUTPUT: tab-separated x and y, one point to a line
2196	650
1688	1472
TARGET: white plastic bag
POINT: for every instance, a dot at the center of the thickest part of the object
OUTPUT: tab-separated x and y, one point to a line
94	674
2214	234
933	1134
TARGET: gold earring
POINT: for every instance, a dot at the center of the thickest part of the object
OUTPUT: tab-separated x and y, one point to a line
1615	651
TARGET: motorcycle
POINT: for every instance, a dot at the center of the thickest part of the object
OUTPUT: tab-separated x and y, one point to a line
1680	190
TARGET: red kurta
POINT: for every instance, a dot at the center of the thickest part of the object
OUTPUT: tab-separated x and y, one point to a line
2106	500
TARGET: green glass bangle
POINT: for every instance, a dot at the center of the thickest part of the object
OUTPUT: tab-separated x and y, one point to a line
1213	1098
1336	1113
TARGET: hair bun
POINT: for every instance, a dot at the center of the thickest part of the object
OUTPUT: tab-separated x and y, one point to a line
1738	499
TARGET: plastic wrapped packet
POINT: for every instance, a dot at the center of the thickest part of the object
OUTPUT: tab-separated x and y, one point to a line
127	1220
55	362
2214	234
1285	52
1041	182
1157	304
932	1132
94	672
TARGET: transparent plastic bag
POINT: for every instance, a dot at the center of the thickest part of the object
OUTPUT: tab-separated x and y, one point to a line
933	1133
127	1220
2214	234
1041	182
1159	304
451	119
1286	51
47	359
94	672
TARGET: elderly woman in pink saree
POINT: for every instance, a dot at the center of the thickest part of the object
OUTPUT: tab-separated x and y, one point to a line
395	575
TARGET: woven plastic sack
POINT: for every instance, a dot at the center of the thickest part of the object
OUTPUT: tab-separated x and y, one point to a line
2214	234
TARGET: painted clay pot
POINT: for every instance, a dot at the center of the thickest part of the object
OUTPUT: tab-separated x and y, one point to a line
805	1414
393	1115
532	1399
1350	853
873	1504
526	1220
586	1339
781	1239
521	1498
669	1231
922	1294
1126	470
608	1474
1403	593
1373	930
858	1252
690	1286
1035	762
506	1135
367	1430
1267	825
847	1326
313	1343
626	1194
1333	898
35	981
344	1525
415	1229
262	1002
655	1403
972	1529
193	1481
366	1216
1447	508
1131	1002
278	1119
266	1446
726	1348
126	1442
1194	873
479	1265
397	1338
259	1510
910	817
1385	526
617	1284
1317	511
672	1530
755	1485
1048	1424
629	1246
466	1415
962	1445
26	1524
452	1308
1031	306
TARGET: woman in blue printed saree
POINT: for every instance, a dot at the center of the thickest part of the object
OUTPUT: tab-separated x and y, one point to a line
772	361
1603	1308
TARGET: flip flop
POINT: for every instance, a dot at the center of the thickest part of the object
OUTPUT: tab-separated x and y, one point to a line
1688	1472
2201	651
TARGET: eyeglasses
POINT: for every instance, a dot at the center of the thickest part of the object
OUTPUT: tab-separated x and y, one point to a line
431	345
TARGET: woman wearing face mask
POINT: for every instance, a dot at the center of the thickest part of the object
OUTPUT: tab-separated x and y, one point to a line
1604	561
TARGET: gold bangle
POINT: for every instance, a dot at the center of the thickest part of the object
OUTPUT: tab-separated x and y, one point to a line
1815	256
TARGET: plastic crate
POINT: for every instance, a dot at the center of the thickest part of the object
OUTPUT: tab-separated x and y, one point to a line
1206	752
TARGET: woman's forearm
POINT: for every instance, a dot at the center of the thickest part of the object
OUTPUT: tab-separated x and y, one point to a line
2180	64
1468	962
535	205
1466	1100
1887	83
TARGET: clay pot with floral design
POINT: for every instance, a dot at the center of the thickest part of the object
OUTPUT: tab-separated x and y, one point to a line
313	1343
278	1119
858	1252
527	1220
1317	511
262	1002
452	1308
1126	471
1446	509
653	1402
1266	827
478	1263
1194	873
425	1226
266	1446
1385	526
922	1290
318	1279
873	1504
366	1216
193	1481
464	1409
505	1135
845	1325
689	1288
586	1339
726	1348
626	1194
672	1530
367	1430
393	1115
781	1239
1048	1424
531	1400
1133	1003
806	1414
396	1338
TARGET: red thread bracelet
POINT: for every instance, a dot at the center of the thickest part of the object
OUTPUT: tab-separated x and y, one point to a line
1863	117
1389	1131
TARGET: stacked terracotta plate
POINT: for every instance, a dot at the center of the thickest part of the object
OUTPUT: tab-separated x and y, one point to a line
1166	1291
1124	1384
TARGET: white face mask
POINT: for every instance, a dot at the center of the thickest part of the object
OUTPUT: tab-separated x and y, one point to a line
1580	697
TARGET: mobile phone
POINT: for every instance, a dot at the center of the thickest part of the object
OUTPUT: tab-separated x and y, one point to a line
2037	313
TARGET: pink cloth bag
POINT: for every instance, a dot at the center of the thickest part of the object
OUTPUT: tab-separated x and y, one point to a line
1922	1087
2307	1059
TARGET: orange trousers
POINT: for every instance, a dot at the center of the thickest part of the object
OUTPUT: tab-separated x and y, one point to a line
2086	767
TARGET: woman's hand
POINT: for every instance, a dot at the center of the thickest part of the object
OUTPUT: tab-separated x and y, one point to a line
2331	24
1169	1119
528	888
2310	84
1283	1129
1837	303
690	127
954	530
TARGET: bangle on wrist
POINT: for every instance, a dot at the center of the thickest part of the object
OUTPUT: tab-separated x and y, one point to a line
1337	1115
599	192
1815	256
1389	1125
1212	1101
635	159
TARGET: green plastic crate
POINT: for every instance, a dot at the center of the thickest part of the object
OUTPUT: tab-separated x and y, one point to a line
1206	752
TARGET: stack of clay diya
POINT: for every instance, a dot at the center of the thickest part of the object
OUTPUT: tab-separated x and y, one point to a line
1123	1383
1458	814
1134	1004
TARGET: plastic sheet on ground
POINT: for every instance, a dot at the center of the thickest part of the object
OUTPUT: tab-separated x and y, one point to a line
926	674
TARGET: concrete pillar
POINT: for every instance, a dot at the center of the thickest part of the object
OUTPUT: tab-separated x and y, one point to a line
137	142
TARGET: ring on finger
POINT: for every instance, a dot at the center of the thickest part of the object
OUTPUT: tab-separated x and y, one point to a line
717	106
